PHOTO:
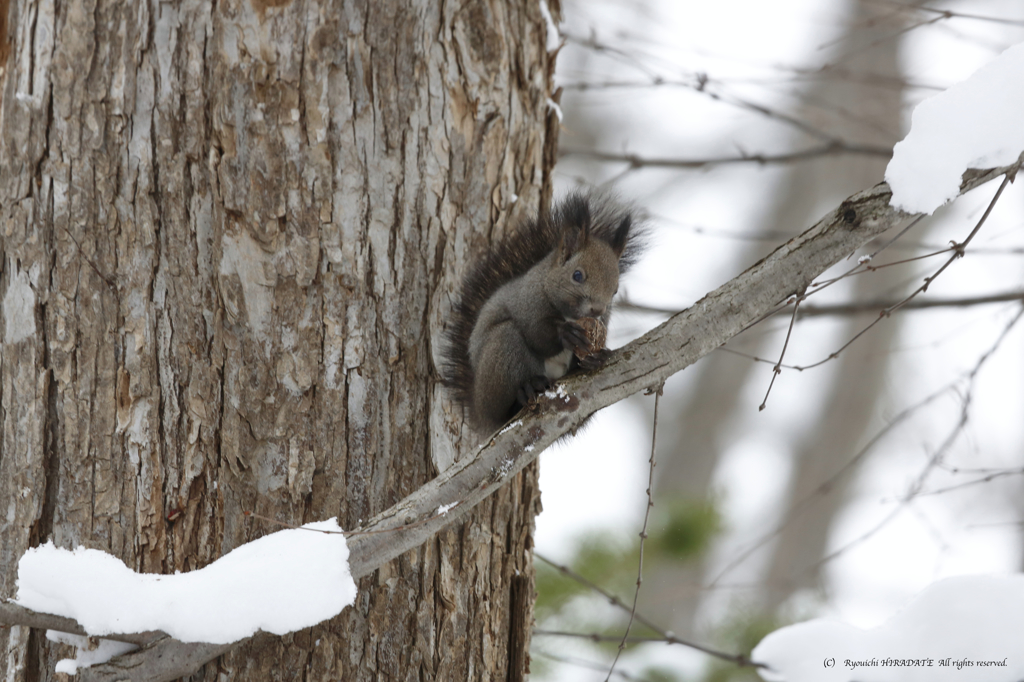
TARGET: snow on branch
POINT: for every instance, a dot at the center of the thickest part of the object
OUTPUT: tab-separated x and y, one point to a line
973	124
279	583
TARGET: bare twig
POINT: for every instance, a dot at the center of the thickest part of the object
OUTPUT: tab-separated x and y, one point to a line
712	88
597	637
818	286
973	482
81	252
862	267
889	36
643	532
949	14
812	310
172	658
637	161
667	636
583	663
778	365
958	252
926	304
829	484
796	74
936	458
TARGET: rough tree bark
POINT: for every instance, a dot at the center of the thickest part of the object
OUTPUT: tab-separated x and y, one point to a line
230	236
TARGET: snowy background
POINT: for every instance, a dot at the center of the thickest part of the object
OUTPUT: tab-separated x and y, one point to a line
932	498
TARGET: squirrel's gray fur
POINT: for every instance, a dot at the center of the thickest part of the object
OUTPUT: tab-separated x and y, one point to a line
514	328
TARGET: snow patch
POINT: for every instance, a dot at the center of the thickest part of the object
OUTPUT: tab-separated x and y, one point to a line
971	622
279	583
505	468
86	654
511	425
556	393
554	40
974	124
557	109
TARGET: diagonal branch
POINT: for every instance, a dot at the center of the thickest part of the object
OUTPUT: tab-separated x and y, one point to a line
646	362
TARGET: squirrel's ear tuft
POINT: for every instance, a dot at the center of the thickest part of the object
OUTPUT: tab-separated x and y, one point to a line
621	235
576	211
574	238
574	217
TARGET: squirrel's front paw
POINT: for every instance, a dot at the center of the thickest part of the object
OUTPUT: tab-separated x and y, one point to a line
595	360
572	335
533	386
586	337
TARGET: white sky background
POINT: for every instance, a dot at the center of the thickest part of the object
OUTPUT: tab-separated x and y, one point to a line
599	479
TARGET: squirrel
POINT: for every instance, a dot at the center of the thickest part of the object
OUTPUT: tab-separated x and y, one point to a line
526	314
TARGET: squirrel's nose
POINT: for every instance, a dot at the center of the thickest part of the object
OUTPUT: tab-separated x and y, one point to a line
597	311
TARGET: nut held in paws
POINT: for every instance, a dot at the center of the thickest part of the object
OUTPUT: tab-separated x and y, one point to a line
597	333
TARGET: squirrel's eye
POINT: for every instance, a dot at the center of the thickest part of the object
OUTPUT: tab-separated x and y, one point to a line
577	276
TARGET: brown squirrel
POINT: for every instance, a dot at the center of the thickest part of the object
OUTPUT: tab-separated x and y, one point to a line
518	324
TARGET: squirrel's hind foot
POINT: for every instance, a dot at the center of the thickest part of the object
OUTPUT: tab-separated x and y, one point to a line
533	386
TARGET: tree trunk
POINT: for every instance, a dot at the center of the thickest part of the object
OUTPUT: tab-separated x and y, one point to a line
231	233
